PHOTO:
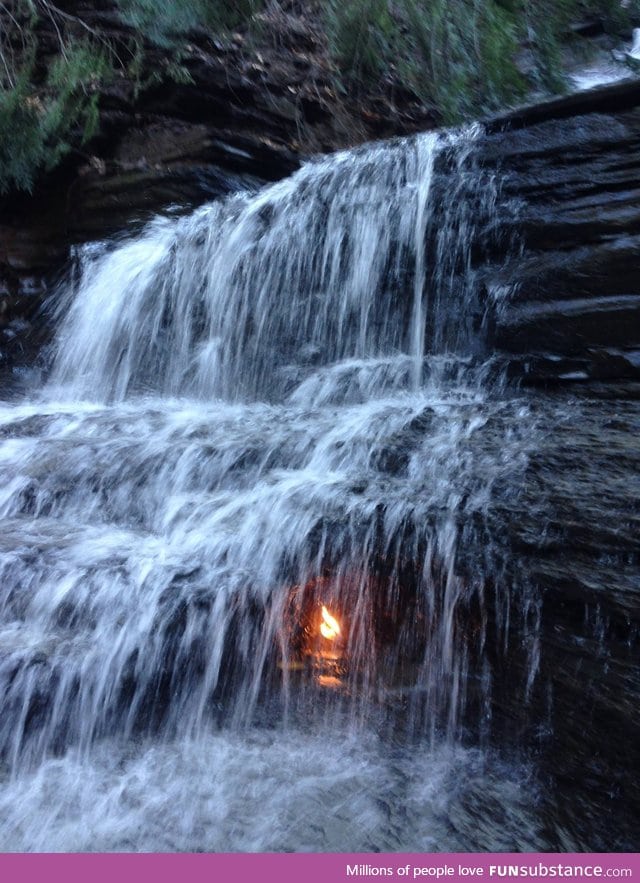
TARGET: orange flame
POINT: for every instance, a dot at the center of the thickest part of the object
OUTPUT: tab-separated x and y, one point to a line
329	627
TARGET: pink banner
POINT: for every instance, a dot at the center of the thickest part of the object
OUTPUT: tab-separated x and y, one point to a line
316	868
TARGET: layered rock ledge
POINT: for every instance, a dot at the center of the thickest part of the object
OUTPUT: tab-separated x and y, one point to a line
572	167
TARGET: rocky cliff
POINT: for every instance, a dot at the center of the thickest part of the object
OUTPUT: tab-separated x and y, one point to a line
569	329
566	321
573	168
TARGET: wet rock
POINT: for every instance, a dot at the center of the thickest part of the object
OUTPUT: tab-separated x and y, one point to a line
573	536
571	168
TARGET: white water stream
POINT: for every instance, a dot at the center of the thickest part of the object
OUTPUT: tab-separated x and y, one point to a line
279	403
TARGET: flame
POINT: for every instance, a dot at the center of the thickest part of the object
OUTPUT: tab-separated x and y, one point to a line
329	627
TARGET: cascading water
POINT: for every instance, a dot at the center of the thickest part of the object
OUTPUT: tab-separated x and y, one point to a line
275	408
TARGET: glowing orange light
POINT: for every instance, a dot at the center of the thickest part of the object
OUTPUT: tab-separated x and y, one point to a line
329	627
329	681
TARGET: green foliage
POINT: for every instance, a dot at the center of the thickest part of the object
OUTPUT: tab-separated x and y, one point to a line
164	21
145	78
177	72
501	81
21	147
545	22
465	56
455	54
361	35
458	56
49	112
42	121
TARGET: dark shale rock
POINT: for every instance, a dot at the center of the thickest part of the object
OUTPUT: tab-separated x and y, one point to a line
572	168
567	323
573	534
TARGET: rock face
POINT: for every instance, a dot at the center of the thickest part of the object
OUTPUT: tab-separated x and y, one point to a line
573	168
570	332
574	535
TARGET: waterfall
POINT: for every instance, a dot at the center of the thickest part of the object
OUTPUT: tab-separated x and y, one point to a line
277	409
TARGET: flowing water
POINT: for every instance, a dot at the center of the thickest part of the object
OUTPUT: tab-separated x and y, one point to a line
276	409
